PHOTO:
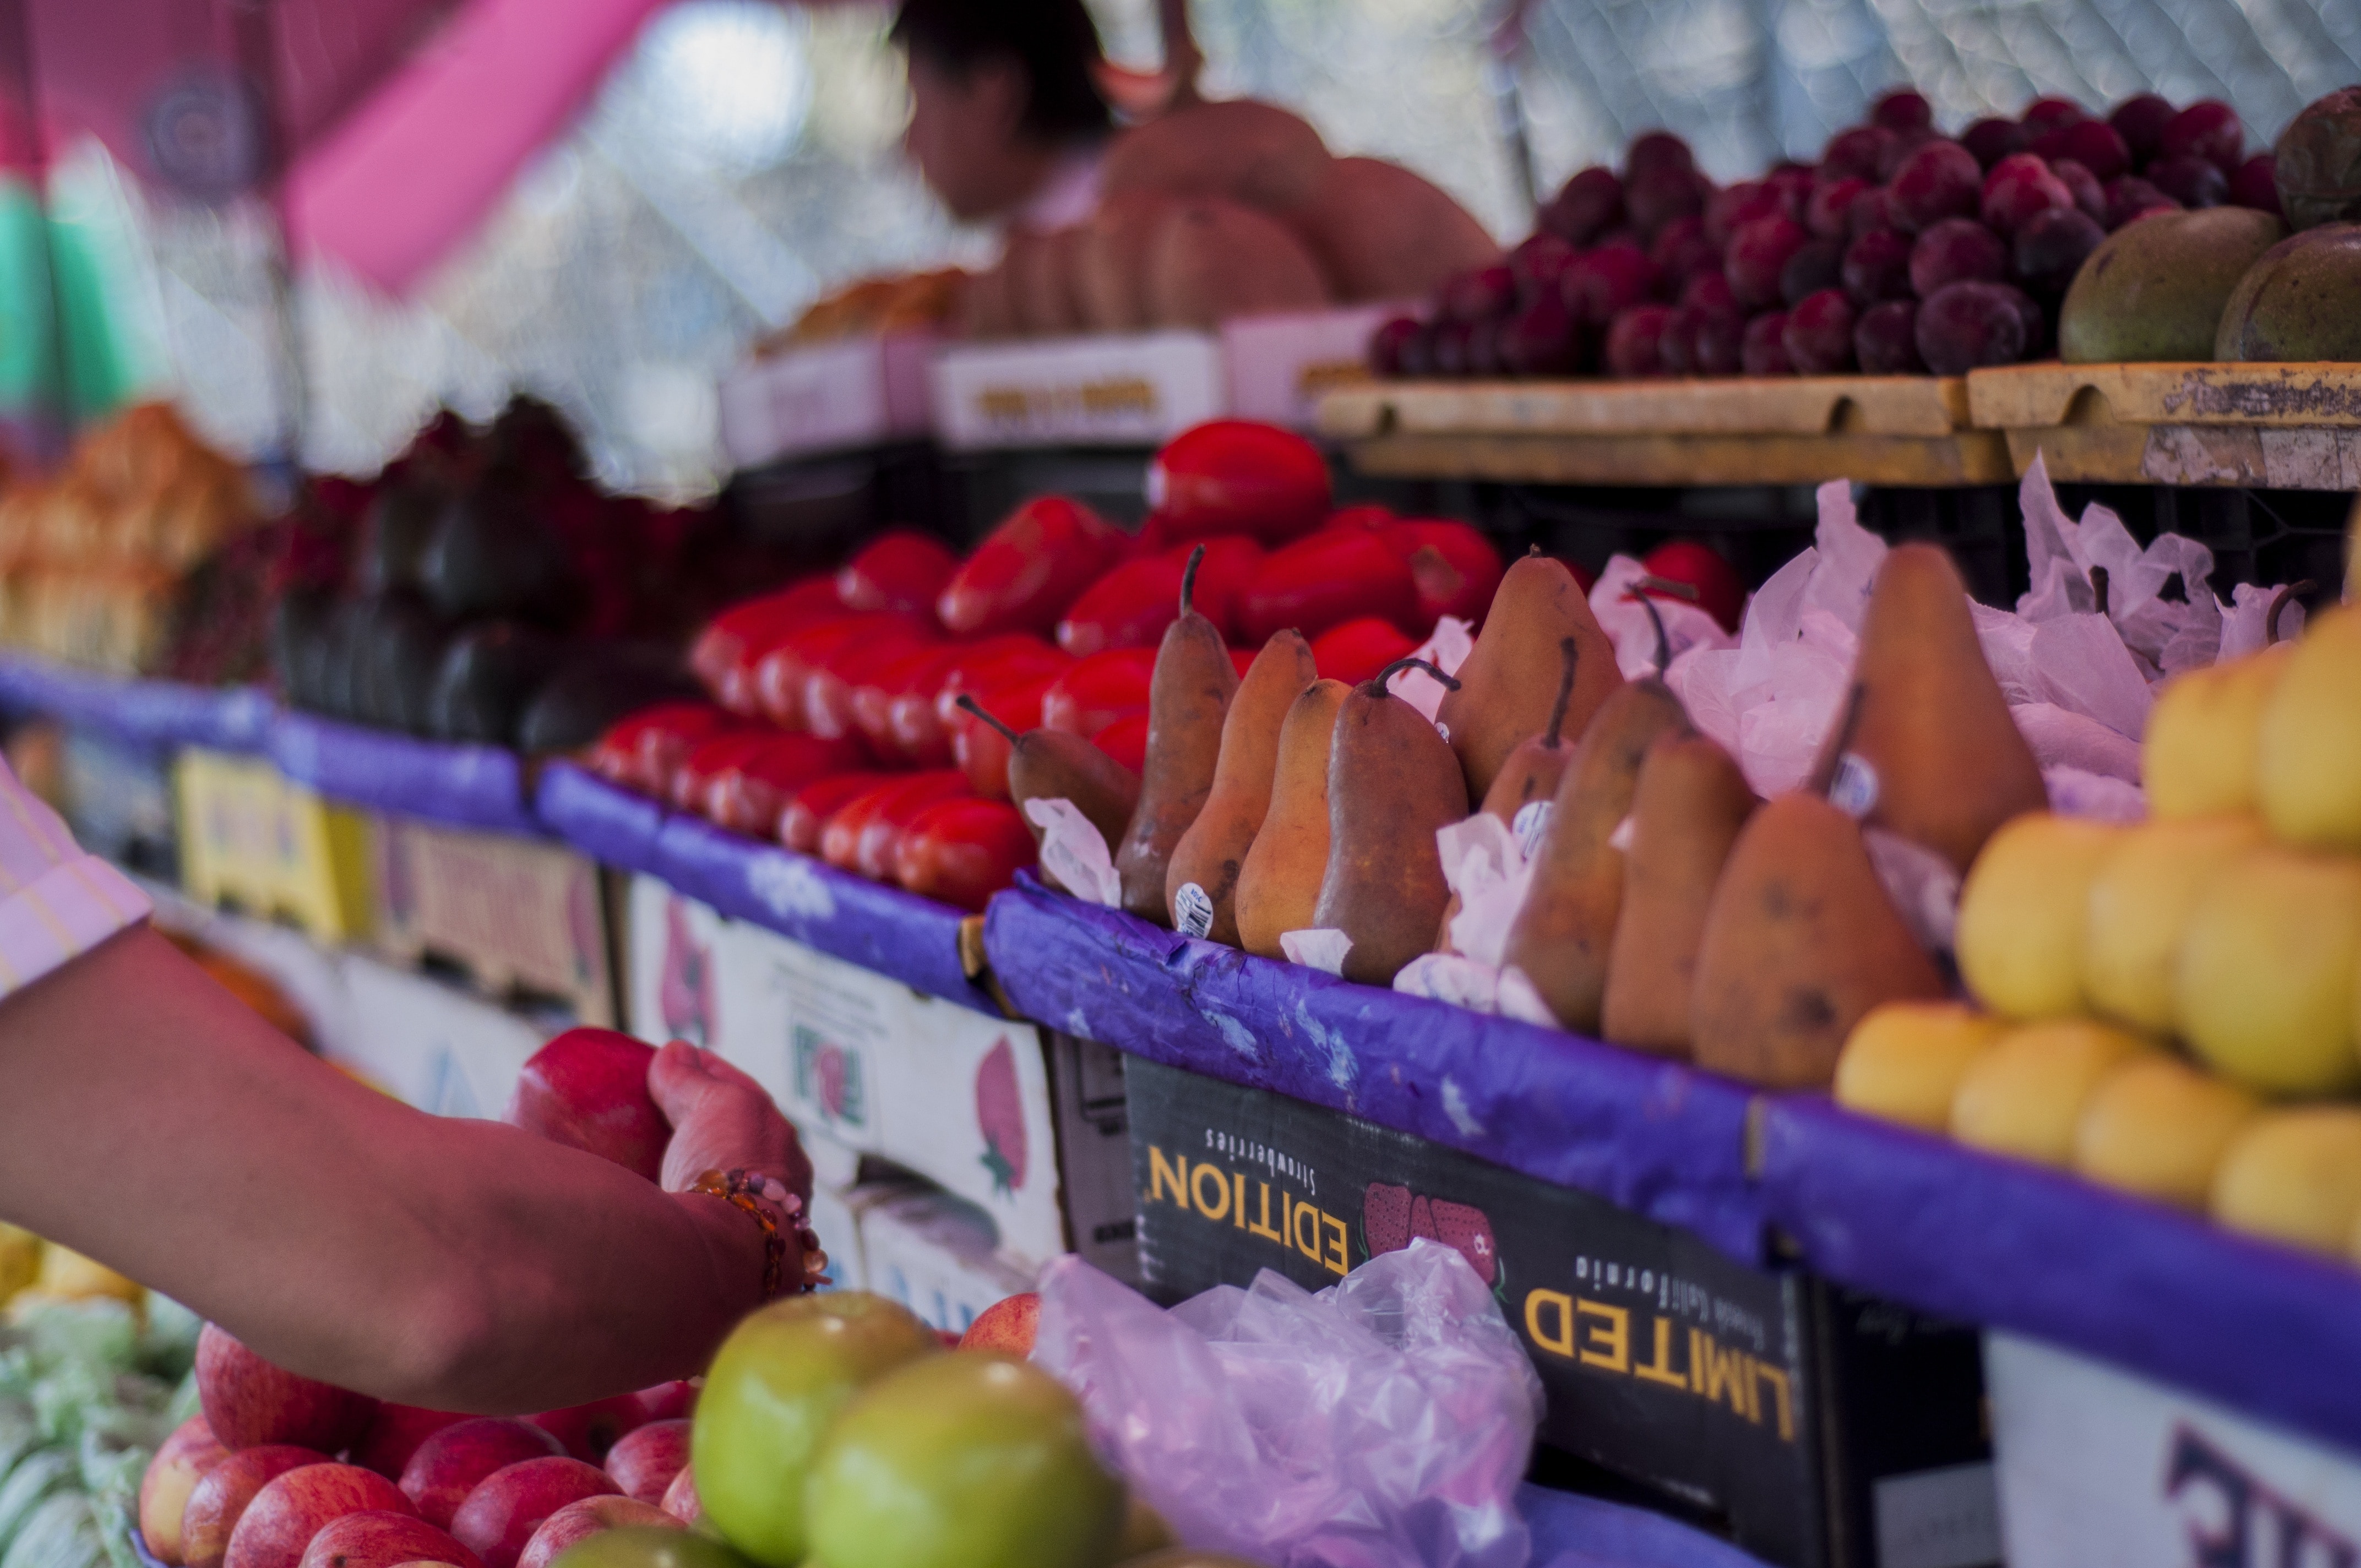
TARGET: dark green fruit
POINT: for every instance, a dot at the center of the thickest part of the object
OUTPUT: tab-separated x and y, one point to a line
396	663
2319	162
2155	289
399	525
342	668
489	674
598	684
300	626
2300	302
492	554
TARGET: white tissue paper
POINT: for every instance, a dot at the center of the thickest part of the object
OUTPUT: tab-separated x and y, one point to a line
2062	739
1486	865
1320	948
1625	621
1521	1000
2073	793
2244	621
1447	650
1075	852
1453	978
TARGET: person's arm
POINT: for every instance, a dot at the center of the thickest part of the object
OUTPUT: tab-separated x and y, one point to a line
154	1123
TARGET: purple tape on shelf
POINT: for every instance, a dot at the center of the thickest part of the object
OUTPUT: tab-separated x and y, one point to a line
480	787
1995	1241
160	714
611	826
1574	1531
1656	1137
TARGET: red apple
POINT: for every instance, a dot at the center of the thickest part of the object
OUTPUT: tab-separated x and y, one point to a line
591	1516
286	1514
454	1462
645	1462
172	1475
589	1089
380	1538
394	1435
680	1499
667	1401
250	1403
1718	592
500	1515
589	1431
1006	1326
219	1500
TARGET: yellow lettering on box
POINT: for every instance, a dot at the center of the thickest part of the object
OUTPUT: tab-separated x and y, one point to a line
1238	1203
1561	1340
1714	1372
1659	1368
1777	1377
1161	1174
1308	1247
1219	1206
1611	1332
1336	1258
1262	1228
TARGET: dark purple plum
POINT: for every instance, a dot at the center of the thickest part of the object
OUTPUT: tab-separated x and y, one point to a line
1586	206
1390	345
1716	347
1602	284
1735	206
2050	250
1756	255
1794	183
2133	197
1760	351
2046	114
2019	187
2140	121
1681	251
1448	349
1993	138
1652	202
1871	210
1819	335
1903	109
1818	265
1877	267
1486	293
1857	153
1969	326
1957	250
1543	339
1634	341
1539	264
1939	180
1886	339
2191	181
2089	193
1655	153
2093	144
1484	347
2257	184
2209	129
1828	213
1898	151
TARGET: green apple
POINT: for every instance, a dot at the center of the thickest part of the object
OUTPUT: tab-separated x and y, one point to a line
972	1460
777	1383
645	1548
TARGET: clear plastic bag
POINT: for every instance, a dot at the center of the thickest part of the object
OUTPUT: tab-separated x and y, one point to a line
1382	1423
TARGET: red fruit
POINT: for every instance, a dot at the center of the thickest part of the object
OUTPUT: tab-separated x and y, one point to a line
1939	180
2093	144
1818	265
1543	339
782	670
589	1431
961	852
1819	335
1877	267
2088	195
1761	352
644	1461
379	1538
1735	206
748	794
1359	649
181	1461
2131	197
2140	121
1537	263
668	1401
1886	339
587	1088
1829	213
1468	1230
2191	181
223	1494
1479	294
999	1117
1756	255
1390	346
1968	325
394	1434
922	725
1447	342
643	752
1794	183
2020	187
680	1499
903	571
691	786
1008	1325
1325	580
1231	476
1635	342
2051	248
1588	205
578	1521
830	684
1125	739
1903	109
249	1403
1653	153
1681	250
1905	143
980	751
920	673
1718	592
2046	114
1097	691
1453	567
1027	570
808	811
2257	184
719	655
2207	129
1992	139
1855	153
1484	347
293	1508
499	1516
1606	282
1871	212
871	821
1131	606
1957	250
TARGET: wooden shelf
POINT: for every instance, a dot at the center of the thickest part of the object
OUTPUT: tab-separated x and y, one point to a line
2293	427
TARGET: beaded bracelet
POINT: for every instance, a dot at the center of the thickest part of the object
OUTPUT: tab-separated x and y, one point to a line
779	1212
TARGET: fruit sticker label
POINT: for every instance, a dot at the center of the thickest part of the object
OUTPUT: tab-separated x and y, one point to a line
1193	910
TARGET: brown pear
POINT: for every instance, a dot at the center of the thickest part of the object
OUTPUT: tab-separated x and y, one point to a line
1393	783
1188	698
1932	753
1528	779
1211	854
1053	764
1278	884
1687	812
1562	936
1505	691
1800	941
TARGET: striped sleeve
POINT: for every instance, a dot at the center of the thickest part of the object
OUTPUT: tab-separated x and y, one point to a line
56	901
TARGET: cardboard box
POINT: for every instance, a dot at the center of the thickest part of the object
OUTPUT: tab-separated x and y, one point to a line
828	397
672	946
2103	1468
1131	390
252	839
934	1253
517	916
431	1043
1279	366
1806	1422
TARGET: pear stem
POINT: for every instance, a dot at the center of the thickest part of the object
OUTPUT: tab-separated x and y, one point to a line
1566	652
1377	682
2099	588
1667	586
2279	603
967	700
1189	577
1825	776
1663	643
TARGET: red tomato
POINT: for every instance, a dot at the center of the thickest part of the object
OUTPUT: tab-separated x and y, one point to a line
1337	575
642	752
827	689
1231	476
1453	568
981	751
903	570
848	829
725	652
781	673
1359	649
1131	606
1125	739
1027	570
962	851
748	794
1099	690
808	811
691	786
1718	592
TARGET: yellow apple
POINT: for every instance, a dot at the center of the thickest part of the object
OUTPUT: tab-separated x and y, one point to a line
2263	988
2197	758
2158	1127
2308	771
2022	915
1903	1061
2025	1093
2139	908
2295	1176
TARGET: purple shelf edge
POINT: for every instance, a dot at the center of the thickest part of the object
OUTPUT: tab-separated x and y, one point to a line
155	713
478	787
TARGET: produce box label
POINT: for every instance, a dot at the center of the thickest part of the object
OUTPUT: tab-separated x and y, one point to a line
1087	392
672	966
1662	1360
514	914
1280	365
2100	1467
826	397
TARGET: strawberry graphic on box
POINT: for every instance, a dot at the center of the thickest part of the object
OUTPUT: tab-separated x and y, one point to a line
832	1073
1468	1230
1000	1117
1392	1217
1385	1217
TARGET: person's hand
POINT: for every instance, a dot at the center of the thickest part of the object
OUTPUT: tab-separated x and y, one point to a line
721	1120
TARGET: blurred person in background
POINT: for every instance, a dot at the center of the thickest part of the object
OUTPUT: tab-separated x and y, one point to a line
1006	123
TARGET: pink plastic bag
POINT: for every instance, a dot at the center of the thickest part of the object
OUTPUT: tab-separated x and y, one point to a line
1382	1423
